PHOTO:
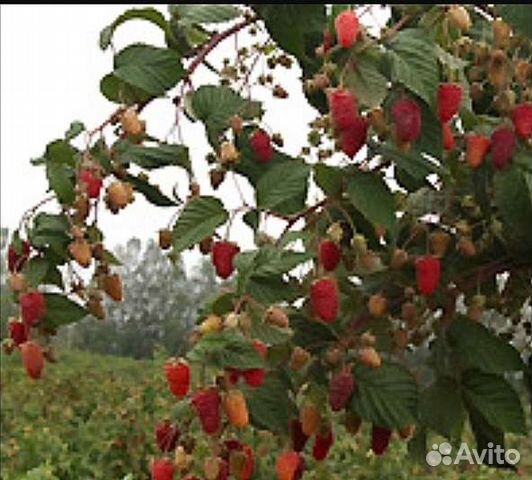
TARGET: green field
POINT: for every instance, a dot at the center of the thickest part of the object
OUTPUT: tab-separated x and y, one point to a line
92	417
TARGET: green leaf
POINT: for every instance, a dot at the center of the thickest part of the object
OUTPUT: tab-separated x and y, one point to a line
152	69
286	182
109	258
329	179
215	106
203	13
270	290
414	64
270	261
270	334
74	130
370	195
519	16
312	336
60	310
365	79
290	25
430	140
270	405
150	158
118	91
60	152
152	193
150	14
50	230
477	347
198	220
35	270
252	219
495	399
61	180
227	349
386	396
441	408
514	201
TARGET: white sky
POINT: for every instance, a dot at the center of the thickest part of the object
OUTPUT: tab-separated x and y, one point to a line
51	66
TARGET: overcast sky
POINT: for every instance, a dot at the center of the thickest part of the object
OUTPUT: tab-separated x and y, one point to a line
51	66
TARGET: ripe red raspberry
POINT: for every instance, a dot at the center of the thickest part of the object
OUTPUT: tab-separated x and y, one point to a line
522	120
91	182
32	307
261	145
449	99
249	465
15	261
260	347
299	439
166	436
18	331
476	148
223	469
234	375
162	469
324	299
178	377
427	274
380	438
341	388
322	444
230	445
447	137
222	256
327	40
330	254
32	359
287	465
502	147
406	116
347	28
343	108
254	377
354	137
207	405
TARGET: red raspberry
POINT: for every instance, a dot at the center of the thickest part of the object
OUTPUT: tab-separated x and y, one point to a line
347	28
427	274
322	444
18	331
260	347
329	254
324	299
476	148
223	472
32	307
341	387
354	137
380	438
502	147
343	108
447	137
287	465
449	99
261	145
15	261
207	405
32	359
299	439
522	120
162	469
178	377
406	116
166	436
254	377
234	375
230	445
92	182
327	40
222	256
249	465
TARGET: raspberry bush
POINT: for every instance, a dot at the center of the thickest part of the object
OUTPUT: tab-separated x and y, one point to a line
406	229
